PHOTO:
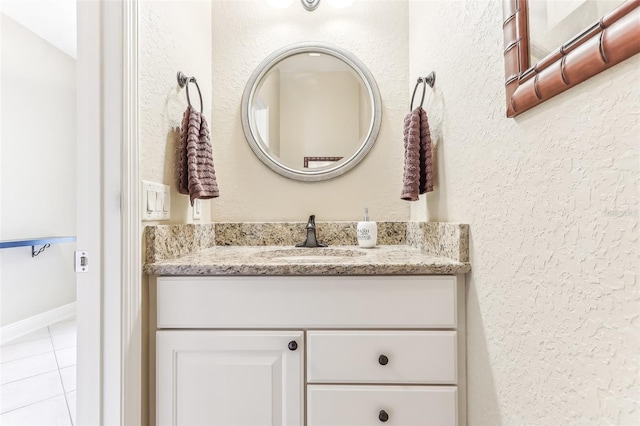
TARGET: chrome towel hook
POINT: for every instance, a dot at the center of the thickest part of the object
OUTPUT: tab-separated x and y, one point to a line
183	81
429	80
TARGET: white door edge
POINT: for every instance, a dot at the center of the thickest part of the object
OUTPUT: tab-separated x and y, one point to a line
109	375
89	215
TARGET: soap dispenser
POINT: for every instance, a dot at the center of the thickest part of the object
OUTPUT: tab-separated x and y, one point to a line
367	232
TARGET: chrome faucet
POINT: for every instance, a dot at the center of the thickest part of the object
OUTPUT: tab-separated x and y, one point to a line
311	240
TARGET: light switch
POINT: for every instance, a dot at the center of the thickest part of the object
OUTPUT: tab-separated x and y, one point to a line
151	201
156	202
159	201
165	202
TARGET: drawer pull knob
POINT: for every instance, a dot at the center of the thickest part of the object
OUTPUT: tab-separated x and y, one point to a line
293	345
383	416
383	360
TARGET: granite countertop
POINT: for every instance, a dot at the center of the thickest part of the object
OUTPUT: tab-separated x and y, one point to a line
287	260
267	248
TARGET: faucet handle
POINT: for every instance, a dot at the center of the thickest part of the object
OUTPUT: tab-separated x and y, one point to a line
312	221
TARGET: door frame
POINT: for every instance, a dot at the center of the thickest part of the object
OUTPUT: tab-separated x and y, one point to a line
109	364
131	229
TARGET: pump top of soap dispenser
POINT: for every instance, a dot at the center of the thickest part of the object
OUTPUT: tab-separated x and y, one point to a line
366	214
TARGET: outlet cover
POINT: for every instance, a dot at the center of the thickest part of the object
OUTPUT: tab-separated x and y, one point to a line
197	209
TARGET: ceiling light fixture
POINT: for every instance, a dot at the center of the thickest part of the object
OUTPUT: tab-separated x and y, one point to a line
310	5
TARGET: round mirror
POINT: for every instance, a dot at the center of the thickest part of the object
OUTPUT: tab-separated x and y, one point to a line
311	111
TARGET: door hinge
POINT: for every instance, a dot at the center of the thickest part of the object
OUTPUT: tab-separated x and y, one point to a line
82	261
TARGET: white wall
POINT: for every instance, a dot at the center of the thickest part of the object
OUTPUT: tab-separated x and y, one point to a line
327	127
552	200
173	36
364	107
244	33
37	157
270	96
221	43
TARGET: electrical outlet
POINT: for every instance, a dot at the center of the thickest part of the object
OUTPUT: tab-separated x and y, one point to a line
197	209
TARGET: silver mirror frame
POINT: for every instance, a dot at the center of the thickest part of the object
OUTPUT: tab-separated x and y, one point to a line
249	126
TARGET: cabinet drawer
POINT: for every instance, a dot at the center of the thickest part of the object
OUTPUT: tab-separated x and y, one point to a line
427	357
371	405
307	302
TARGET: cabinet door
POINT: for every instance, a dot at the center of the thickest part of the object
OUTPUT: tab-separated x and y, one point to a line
229	378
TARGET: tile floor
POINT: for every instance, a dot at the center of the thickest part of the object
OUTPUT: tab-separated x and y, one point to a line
38	377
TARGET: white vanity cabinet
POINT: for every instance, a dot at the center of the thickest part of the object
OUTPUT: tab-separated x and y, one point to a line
309	350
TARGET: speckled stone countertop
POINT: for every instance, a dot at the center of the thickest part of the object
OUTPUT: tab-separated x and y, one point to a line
278	260
413	248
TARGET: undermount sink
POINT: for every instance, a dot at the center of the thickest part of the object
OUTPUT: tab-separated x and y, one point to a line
310	254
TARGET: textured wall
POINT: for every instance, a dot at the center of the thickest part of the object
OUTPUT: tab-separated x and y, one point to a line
244	33
37	179
173	36
552	202
177	35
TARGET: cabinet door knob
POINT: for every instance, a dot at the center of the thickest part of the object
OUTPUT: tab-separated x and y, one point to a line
383	360
293	345
383	416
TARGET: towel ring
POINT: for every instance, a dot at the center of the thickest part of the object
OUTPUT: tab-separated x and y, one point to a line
183	81
428	80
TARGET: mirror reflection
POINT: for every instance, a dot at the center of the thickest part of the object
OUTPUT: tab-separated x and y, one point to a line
552	23
311	111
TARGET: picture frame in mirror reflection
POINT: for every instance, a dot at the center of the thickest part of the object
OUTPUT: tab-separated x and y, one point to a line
319	162
306	100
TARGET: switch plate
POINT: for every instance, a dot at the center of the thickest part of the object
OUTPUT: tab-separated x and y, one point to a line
156	203
197	209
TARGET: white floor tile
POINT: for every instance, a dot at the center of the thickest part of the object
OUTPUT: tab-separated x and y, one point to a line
71	402
66	357
27	367
25	349
52	412
64	327
61	341
38	334
29	391
68	375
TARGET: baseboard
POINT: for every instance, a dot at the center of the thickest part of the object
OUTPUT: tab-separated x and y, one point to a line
36	322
